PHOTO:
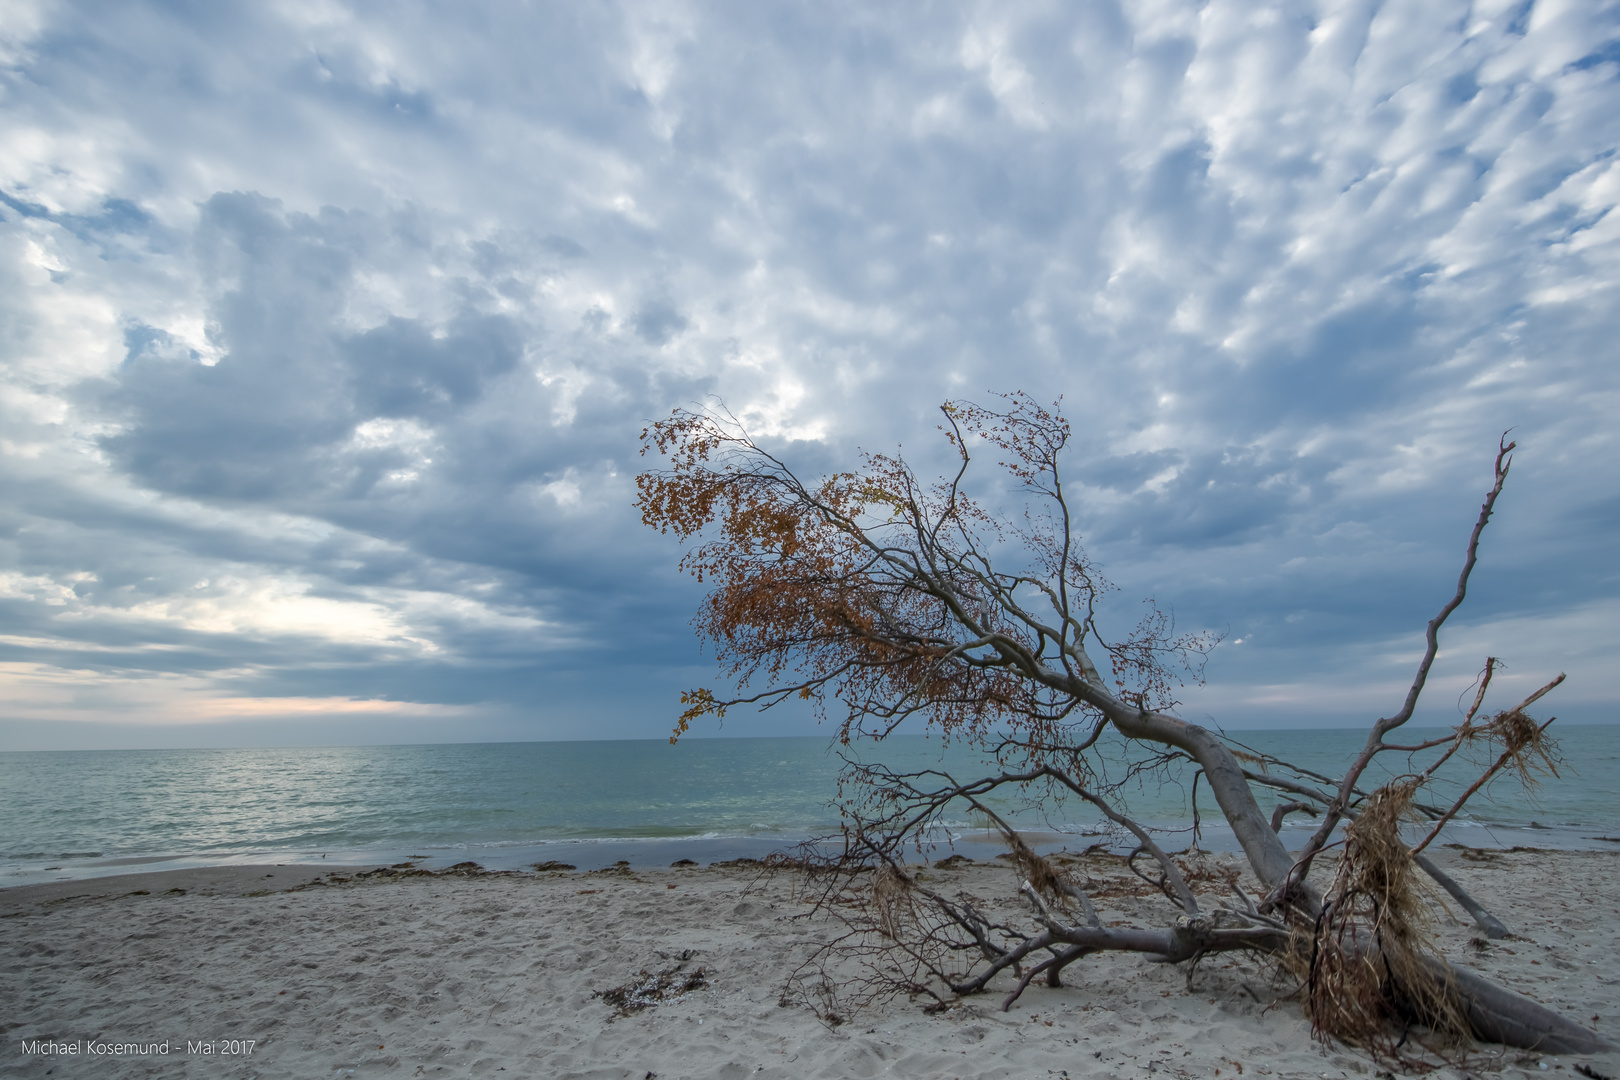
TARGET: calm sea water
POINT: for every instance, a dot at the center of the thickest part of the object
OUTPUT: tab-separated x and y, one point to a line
84	813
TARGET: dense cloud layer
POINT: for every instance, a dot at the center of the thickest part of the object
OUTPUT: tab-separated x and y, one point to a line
328	331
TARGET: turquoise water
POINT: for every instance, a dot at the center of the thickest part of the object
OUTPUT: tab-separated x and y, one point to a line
78	813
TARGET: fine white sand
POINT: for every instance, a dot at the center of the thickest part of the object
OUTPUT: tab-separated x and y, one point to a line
451	976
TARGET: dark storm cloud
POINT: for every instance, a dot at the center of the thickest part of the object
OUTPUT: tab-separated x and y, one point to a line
267	421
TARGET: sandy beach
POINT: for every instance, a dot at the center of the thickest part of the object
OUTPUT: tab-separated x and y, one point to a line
296	971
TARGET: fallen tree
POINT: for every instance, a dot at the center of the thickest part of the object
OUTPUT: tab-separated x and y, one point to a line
878	597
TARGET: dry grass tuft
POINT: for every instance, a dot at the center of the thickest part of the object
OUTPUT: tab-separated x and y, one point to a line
1370	977
1529	751
1047	879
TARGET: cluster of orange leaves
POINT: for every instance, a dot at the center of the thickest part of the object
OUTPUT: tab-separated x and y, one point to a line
869	588
798	583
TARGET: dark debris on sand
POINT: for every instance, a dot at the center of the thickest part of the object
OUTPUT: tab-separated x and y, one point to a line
647	989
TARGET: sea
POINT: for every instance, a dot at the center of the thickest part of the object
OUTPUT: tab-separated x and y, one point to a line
80	814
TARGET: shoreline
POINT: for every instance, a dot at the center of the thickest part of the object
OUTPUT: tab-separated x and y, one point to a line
449	975
654	853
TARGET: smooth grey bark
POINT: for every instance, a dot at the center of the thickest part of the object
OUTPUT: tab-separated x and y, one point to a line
1501	1016
1488	923
1265	850
1496	1014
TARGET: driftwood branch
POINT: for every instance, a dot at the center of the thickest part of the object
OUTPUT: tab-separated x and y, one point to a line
1375	738
1282	810
1488	923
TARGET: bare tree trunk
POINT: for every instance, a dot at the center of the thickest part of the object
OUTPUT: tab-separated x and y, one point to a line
1496	1014
1265	850
1501	1016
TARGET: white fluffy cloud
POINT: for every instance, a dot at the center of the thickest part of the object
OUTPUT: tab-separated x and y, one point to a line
354	311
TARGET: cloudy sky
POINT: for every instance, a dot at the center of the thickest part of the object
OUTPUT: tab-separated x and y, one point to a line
327	330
